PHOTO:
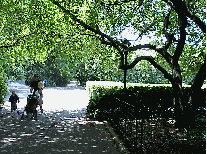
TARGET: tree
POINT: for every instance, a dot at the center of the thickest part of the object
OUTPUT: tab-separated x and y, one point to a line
35	30
164	17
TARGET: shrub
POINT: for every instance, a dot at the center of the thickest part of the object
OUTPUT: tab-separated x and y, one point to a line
149	99
3	86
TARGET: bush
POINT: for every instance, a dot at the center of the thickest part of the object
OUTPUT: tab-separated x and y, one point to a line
3	87
149	99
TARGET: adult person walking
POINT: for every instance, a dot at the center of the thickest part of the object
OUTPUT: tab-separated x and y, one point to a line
37	86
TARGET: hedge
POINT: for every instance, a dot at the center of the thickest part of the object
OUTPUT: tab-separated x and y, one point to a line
155	98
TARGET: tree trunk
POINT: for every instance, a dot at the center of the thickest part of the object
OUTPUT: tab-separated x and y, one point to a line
195	95
178	95
178	107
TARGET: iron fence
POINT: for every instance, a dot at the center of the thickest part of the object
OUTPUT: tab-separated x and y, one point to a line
152	130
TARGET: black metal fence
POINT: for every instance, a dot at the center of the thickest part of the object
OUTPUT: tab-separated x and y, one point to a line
151	130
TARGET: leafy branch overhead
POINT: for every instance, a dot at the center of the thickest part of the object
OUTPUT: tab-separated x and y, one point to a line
164	19
18	40
110	41
152	61
89	40
66	27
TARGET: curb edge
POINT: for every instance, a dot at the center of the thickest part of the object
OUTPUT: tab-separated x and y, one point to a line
120	145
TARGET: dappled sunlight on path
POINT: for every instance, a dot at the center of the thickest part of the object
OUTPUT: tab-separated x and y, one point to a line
54	132
62	128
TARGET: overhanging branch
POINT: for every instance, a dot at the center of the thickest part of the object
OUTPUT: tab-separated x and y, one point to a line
177	4
114	43
198	21
134	48
145	30
179	49
111	41
151	60
181	42
136	60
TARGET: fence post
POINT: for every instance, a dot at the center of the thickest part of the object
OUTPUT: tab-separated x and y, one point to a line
125	129
131	128
142	132
136	137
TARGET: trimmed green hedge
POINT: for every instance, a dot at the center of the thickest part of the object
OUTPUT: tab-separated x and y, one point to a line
106	98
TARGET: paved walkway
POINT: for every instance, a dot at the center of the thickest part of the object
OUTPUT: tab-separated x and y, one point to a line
60	131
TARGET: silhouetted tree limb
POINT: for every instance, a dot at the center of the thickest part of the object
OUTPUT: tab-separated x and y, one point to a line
200	77
114	43
151	60
177	4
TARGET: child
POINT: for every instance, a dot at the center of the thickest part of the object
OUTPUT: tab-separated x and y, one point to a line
13	99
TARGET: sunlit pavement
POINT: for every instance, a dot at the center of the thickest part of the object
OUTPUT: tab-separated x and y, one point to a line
59	98
56	130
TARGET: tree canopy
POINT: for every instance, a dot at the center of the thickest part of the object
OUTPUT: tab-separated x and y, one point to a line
86	34
35	30
82	39
173	29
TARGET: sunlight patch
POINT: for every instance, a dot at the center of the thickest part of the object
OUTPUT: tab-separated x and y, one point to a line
5	140
26	134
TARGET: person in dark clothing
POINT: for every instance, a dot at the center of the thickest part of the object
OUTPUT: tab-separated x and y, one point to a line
37	86
34	84
14	99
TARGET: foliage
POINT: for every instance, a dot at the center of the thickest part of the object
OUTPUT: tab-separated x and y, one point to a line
3	86
52	70
145	73
171	28
34	31
105	99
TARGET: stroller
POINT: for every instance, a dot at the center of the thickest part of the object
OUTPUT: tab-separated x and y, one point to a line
32	101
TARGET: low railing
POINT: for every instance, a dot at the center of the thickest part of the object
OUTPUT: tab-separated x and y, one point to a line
149	130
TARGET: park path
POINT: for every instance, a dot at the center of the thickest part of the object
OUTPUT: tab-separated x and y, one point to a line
56	98
62	128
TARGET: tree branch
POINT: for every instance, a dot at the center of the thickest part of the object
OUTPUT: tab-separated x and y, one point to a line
164	53
134	48
198	21
144	31
181	42
136	60
151	60
200	77
169	37
177	4
114	43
